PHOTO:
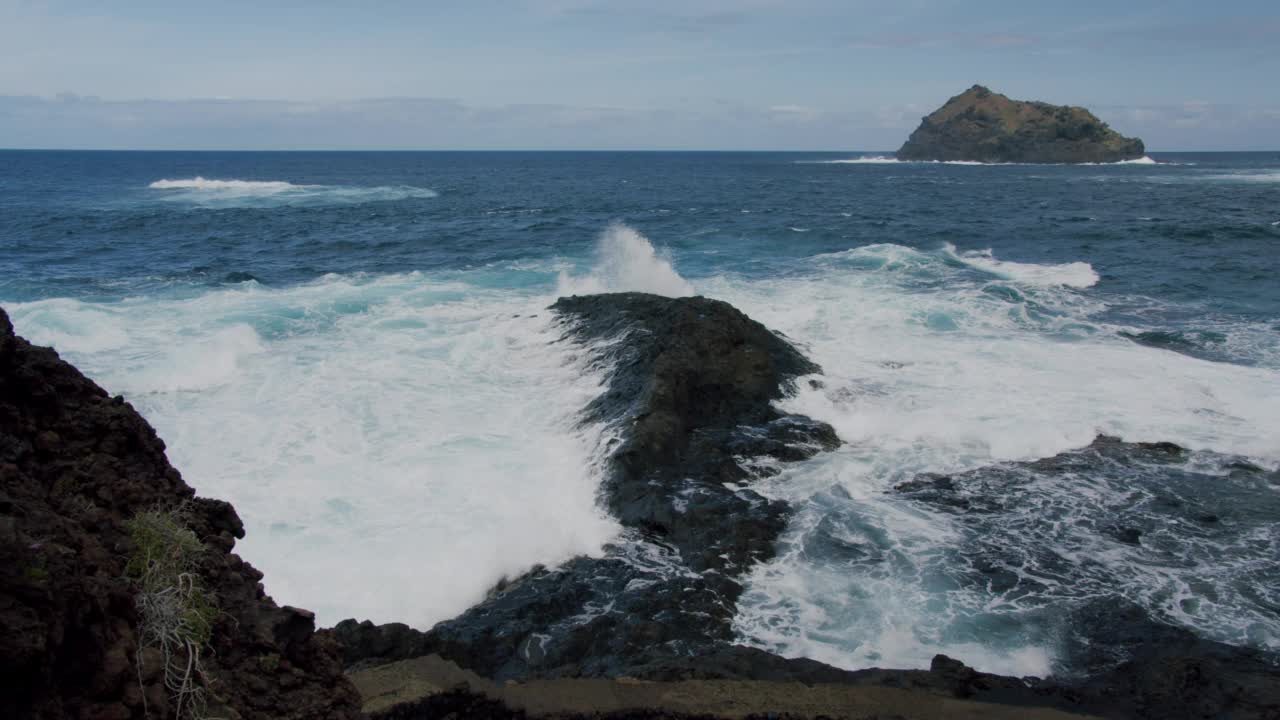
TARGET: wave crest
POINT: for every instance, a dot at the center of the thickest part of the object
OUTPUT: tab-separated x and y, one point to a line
208	192
1073	274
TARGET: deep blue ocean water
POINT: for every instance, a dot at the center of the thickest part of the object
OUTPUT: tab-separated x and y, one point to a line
352	348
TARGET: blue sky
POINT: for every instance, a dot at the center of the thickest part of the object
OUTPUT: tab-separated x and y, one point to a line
592	74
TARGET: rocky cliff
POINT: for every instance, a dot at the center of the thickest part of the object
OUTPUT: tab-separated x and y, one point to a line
983	126
119	594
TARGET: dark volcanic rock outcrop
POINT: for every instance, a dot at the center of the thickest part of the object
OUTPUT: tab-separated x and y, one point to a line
75	466
983	126
691	383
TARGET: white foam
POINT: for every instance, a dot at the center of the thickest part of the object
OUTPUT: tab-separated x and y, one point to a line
267	193
72	326
625	261
870	160
1074	274
1144	160
394	444
946	376
200	183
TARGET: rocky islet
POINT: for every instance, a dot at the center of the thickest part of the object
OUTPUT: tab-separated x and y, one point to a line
979	125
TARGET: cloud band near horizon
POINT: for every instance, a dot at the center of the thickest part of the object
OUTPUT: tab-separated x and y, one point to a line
70	121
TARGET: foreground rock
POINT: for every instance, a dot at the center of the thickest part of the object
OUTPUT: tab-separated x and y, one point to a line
983	126
691	384
430	687
76	466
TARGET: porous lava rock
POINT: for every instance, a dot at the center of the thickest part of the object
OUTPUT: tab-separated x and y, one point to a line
76	464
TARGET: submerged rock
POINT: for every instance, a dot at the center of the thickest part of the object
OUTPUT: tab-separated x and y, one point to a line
983	126
76	465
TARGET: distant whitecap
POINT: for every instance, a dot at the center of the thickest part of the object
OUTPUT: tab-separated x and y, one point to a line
209	192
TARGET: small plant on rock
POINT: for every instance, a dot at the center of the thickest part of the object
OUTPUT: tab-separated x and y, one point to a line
175	610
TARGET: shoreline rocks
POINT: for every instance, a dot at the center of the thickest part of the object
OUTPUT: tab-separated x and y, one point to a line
979	125
75	466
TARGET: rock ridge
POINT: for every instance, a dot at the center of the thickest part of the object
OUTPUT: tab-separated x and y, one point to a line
690	389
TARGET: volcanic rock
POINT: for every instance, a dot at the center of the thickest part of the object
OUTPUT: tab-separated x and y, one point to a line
690	389
75	466
983	126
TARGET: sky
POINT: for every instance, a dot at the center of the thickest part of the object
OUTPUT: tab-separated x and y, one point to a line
620	74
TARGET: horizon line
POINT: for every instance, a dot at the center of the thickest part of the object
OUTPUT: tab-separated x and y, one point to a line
519	150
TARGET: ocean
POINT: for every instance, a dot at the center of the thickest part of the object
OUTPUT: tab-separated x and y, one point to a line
355	350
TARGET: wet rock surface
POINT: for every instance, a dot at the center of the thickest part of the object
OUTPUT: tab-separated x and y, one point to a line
982	126
75	465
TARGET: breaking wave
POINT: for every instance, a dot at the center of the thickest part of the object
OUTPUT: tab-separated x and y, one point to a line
625	261
1075	274
267	193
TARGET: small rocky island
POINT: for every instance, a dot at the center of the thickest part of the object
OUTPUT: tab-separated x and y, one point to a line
983	126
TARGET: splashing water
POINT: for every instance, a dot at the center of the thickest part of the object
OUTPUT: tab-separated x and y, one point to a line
626	262
377	435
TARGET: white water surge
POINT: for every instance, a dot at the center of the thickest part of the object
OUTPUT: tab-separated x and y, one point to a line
395	444
626	261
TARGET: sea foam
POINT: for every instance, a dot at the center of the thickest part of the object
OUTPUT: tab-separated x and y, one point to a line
929	367
1075	274
625	261
248	186
207	192
394	444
